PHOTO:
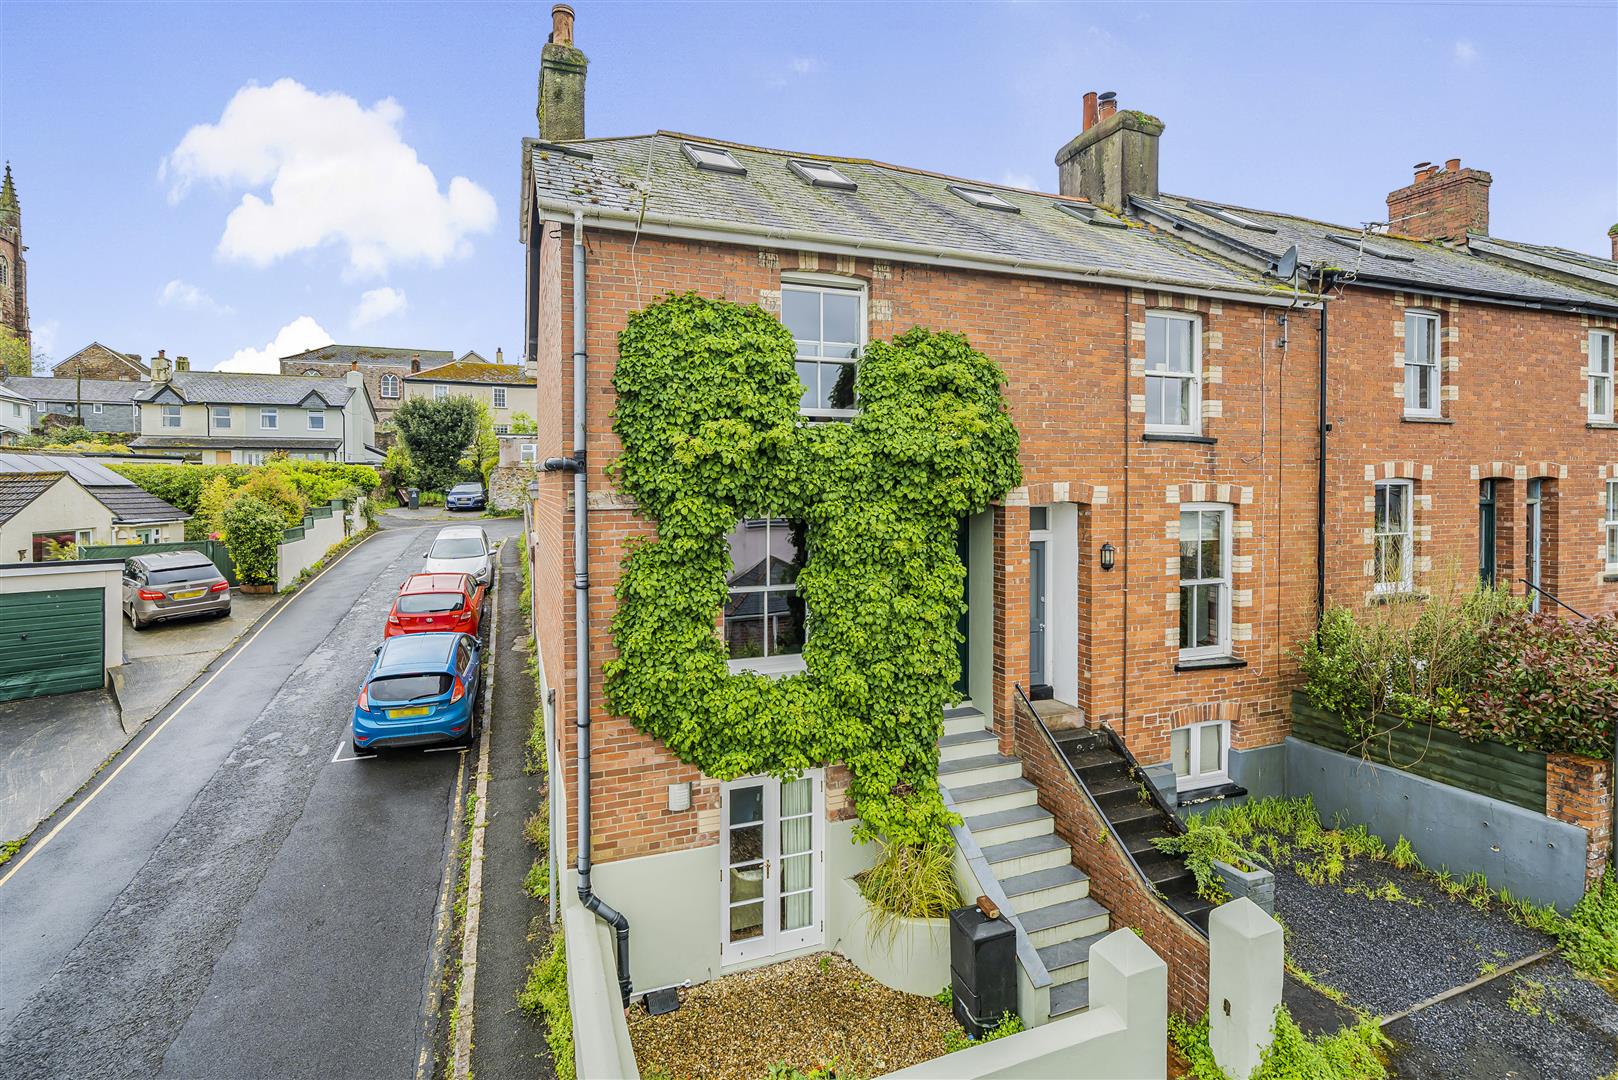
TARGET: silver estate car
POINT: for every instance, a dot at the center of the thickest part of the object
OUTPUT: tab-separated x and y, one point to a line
173	585
461	549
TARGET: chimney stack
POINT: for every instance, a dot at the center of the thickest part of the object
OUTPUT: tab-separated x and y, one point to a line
1612	234
1114	157
1442	203
499	355
161	371
182	363
561	81
353	365
415	365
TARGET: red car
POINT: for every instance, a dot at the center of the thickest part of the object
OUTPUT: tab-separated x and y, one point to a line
437	603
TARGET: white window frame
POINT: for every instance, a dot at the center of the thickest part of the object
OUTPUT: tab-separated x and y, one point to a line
1406	581
1193	377
1610	526
528	453
97	408
1432	368
1599	374
312	415
1199	775
774	664
499	397
440	392
269	420
170	416
773	941
824	283
389	382
219	416
1222	647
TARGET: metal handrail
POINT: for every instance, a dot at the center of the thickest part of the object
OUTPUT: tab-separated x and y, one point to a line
1554	597
1134	770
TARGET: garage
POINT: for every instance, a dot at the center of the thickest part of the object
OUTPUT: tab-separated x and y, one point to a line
52	641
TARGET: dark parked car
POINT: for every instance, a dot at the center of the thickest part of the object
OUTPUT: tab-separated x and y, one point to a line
173	585
465	497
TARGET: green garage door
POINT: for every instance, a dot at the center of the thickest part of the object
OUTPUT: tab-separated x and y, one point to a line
50	642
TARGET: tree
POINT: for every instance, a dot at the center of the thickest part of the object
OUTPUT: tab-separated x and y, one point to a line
209	518
523	424
14	356
437	435
271	487
254	529
484	453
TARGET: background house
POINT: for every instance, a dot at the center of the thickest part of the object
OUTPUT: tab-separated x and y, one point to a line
507	389
97	361
98	404
16	414
58	499
383	369
219	417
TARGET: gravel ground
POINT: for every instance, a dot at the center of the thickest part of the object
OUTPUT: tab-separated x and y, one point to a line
1386	955
1495	1031
1541	1022
805	1012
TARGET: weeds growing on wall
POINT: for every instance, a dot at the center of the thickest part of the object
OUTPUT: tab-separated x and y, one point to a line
545	994
708	416
1201	845
1354	1053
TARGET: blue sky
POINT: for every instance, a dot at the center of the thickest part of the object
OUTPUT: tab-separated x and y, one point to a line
314	207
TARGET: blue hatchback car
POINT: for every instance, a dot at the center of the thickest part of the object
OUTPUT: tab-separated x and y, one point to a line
422	689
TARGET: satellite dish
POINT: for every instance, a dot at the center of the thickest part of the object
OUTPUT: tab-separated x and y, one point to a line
1286	267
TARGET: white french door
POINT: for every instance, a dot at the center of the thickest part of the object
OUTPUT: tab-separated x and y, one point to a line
772	885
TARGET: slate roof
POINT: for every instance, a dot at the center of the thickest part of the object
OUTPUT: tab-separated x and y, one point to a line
647	181
7	392
18	490
1418	264
372	354
113	391
249	388
463	372
167	442
1594	271
128	502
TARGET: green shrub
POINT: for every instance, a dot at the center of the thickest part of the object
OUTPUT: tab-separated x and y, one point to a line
182	485
1589	935
545	994
1354	1053
1201	845
909	882
1550	684
209	516
537	883
273	488
253	529
957	1038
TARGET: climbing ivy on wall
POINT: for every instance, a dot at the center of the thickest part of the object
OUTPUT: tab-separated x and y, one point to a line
708	417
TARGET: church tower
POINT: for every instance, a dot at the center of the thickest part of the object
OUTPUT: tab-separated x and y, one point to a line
13	271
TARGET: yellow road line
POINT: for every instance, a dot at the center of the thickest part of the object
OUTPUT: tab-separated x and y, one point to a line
33	849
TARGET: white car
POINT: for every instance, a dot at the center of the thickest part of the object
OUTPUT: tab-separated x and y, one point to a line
461	549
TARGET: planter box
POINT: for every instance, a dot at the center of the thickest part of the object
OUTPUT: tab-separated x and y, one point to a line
1257	885
915	960
257	590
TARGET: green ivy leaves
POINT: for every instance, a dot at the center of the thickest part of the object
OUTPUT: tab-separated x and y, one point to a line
708	418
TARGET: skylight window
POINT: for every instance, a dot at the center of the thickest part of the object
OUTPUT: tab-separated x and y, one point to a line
712	159
985	200
1090	215
819	174
1356	244
1231	218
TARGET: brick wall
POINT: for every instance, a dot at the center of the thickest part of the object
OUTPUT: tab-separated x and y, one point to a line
1579	790
1114	882
1514	410
1068	350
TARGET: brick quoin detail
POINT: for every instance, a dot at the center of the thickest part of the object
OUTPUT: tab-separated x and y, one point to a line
1578	790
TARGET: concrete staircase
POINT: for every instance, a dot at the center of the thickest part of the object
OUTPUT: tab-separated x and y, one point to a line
1035	867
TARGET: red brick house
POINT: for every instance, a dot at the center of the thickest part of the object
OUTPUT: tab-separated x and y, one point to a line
1170	543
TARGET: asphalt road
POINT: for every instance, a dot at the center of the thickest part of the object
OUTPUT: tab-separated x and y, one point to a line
237	896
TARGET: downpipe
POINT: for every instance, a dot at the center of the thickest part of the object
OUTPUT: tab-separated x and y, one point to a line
581	613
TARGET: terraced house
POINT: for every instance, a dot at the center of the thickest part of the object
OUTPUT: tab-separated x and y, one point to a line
224	418
1228	418
506	389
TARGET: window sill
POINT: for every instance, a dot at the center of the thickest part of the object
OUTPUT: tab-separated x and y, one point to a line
1210	663
773	667
1409	419
1610	575
1395	596
1155	436
1601	425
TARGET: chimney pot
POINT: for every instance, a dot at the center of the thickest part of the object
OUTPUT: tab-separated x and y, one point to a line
499	356
562	24
1089	111
353	365
160	354
1452	165
1109	104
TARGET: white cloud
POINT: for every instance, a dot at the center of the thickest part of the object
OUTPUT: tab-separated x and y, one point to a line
336	172
183	294
377	304
1019	180
805	65
1465	52
299	334
43	336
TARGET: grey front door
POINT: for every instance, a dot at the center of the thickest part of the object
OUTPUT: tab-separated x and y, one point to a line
1038	676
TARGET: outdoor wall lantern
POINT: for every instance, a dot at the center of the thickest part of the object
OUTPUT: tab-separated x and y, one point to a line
1108	554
